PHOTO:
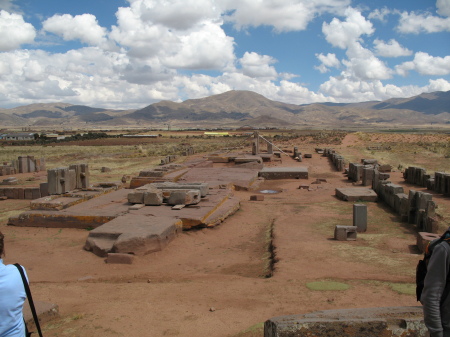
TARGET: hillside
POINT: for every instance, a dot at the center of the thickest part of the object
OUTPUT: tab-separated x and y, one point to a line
237	108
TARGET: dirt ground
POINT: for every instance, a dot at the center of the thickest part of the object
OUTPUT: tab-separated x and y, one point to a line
213	282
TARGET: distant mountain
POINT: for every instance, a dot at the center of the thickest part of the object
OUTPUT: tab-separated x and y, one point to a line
238	108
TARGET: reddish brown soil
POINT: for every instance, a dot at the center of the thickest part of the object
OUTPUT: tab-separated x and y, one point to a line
207	282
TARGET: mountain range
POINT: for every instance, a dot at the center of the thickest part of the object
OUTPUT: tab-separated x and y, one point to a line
236	109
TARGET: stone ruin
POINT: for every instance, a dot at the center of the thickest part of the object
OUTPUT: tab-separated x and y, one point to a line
65	179
23	164
439	182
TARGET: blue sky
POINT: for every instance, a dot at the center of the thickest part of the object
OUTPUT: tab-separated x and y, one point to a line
131	53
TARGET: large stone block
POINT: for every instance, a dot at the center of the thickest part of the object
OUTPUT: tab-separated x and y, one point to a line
153	197
345	233
184	197
360	322
360	217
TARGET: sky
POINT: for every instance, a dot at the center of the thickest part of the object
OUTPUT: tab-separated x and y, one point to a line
127	54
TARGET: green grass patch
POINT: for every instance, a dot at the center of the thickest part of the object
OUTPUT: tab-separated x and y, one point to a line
327	286
403	288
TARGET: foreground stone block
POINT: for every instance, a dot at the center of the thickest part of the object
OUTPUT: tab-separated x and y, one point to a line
423	238
360	217
361	322
345	233
133	234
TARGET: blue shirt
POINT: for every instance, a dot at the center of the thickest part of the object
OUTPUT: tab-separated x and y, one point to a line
12	297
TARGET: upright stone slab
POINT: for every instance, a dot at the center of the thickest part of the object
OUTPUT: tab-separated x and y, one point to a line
54	181
360	217
367	177
23	164
31	164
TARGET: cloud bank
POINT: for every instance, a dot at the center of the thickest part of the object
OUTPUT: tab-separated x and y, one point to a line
179	49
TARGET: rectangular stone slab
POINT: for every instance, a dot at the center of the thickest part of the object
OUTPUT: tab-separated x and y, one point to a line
356	194
133	234
271	173
367	322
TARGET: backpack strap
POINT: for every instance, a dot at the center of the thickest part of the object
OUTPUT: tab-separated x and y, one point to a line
30	298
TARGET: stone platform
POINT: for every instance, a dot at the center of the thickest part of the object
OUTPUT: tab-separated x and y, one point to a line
367	322
233	177
356	194
271	173
120	227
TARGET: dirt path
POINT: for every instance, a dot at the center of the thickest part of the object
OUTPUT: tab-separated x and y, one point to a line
207	282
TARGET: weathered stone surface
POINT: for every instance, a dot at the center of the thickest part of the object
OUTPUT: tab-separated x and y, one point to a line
360	217
133	234
361	322
345	233
423	238
119	258
153	197
356	194
271	173
184	197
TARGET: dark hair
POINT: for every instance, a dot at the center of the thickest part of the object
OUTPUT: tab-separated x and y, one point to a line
2	244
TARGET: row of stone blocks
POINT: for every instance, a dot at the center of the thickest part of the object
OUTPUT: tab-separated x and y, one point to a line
23	164
416	207
168	159
64	179
156	194
365	171
29	193
439	182
337	160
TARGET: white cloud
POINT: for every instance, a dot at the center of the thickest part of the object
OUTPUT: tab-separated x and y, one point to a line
438	85
203	46
413	23
283	15
178	14
206	48
380	14
328	61
347	90
443	7
14	31
342	34
363	65
255	65
425	64
80	27
390	49
9	6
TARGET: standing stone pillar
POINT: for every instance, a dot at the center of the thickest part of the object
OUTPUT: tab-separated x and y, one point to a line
255	149
269	148
31	164
360	217
23	164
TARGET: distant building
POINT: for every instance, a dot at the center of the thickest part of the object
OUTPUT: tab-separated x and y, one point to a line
18	136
